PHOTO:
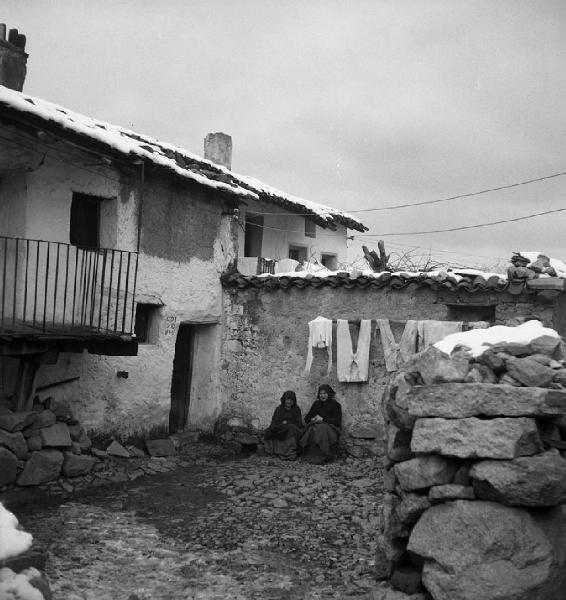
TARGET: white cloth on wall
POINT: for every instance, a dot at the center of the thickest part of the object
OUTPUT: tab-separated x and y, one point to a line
352	366
320	336
397	353
431	332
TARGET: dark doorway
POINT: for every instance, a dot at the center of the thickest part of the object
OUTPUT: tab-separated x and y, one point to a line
254	235
182	378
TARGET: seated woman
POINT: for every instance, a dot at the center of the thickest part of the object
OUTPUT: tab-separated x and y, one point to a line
282	436
324	420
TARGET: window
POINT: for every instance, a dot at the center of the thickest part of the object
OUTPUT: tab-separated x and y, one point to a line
146	327
298	253
467	312
330	261
84	231
310	228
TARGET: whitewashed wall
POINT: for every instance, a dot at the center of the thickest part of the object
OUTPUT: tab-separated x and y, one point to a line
281	230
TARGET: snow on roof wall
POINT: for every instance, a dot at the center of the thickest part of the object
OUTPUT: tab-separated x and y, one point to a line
170	157
480	340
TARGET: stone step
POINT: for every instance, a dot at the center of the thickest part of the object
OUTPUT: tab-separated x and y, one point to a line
461	400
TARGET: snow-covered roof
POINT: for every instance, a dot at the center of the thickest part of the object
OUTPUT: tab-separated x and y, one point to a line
114	140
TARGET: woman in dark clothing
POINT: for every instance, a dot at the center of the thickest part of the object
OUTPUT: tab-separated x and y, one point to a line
324	421
282	436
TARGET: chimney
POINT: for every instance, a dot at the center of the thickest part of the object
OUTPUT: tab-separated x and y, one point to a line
13	59
218	149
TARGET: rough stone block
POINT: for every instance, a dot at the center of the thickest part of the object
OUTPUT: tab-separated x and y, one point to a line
502	438
411	507
394	402
398	444
15	421
63	412
486	550
366	431
392	526
15	442
8	467
527	481
450	491
45	418
41	467
425	471
435	366
34	443
161	447
75	465
116	449
529	371
56	436
460	400
547	344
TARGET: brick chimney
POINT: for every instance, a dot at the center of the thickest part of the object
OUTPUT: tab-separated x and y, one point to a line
218	149
13	59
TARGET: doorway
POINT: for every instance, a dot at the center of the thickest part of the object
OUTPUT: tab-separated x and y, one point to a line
195	397
182	378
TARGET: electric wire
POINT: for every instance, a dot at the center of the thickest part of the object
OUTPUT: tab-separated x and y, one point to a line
463	227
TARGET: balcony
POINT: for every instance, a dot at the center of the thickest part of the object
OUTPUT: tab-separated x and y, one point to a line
56	291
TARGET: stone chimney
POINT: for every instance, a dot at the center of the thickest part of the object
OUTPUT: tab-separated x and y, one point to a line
13	59
218	149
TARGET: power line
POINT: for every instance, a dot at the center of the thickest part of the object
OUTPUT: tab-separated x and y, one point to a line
523	218
468	195
436	201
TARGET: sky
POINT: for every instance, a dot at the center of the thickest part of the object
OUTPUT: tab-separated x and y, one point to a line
355	104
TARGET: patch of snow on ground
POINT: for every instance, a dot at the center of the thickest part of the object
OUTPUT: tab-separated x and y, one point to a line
480	340
13	541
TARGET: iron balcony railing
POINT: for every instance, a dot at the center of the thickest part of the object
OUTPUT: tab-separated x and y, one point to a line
60	289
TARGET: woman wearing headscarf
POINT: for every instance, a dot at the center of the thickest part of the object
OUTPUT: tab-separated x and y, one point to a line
324	421
282	436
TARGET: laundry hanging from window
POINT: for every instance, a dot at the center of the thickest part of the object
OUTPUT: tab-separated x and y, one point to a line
352	366
320	336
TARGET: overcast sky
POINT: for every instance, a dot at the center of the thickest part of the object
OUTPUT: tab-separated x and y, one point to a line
355	104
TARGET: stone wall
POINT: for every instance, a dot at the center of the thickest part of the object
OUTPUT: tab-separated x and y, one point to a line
266	340
475	475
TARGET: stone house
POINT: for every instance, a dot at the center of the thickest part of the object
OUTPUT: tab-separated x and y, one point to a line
112	245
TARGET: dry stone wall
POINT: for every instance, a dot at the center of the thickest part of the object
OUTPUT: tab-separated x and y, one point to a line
475	474
266	334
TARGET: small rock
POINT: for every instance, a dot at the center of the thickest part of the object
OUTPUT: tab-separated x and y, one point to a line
116	449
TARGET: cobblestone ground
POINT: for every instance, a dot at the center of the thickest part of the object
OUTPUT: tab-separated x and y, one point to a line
208	528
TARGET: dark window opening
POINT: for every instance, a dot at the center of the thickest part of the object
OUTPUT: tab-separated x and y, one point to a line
84	231
310	228
146	328
330	261
298	253
471	313
254	235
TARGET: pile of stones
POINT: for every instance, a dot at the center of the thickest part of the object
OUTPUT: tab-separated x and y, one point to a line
475	474
48	449
40	445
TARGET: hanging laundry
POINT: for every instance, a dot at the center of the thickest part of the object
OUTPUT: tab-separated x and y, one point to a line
352	366
397	353
320	336
431	332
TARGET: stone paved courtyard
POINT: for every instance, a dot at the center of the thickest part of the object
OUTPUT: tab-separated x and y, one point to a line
211	526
